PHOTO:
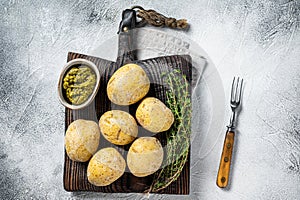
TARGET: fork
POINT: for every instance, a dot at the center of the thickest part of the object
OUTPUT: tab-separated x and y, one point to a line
235	100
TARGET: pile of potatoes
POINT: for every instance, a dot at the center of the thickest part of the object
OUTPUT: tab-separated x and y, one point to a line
128	85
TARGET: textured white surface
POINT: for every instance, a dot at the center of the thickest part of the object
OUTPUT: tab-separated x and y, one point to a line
257	40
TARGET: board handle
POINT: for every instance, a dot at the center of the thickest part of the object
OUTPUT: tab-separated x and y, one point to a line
225	162
126	53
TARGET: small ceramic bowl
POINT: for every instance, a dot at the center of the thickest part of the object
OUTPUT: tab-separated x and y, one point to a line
78	61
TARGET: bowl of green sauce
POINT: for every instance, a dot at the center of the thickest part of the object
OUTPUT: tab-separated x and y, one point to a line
78	83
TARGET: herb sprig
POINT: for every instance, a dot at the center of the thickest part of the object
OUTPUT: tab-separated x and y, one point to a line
178	136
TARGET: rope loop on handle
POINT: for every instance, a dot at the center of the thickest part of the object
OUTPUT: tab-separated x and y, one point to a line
156	19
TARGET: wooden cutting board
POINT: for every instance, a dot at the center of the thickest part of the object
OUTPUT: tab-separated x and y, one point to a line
75	177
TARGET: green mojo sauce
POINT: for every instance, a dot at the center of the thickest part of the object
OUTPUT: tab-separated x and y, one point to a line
79	83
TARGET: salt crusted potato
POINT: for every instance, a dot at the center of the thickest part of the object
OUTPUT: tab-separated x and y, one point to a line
118	127
145	156
128	85
105	167
154	115
82	140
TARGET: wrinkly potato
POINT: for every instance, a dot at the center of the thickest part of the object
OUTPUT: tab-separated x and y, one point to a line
154	115
82	140
128	85
105	167
118	127
145	156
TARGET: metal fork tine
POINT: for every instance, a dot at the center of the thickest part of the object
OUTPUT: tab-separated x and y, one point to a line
236	89
240	91
232	90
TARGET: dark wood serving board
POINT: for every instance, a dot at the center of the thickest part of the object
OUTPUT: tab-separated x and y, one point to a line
75	177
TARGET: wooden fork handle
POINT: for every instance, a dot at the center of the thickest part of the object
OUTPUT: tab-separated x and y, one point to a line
224	168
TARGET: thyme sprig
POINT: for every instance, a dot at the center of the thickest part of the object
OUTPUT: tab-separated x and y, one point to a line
178	136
